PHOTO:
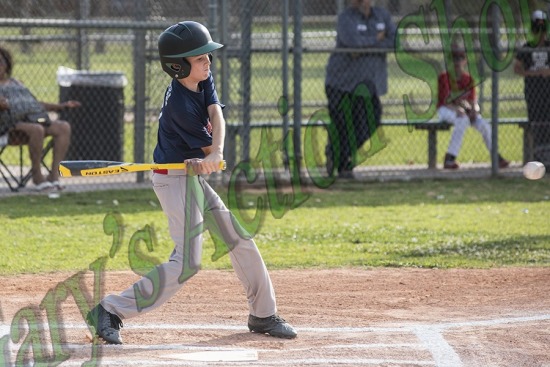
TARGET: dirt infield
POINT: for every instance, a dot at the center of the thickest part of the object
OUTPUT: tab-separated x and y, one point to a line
353	317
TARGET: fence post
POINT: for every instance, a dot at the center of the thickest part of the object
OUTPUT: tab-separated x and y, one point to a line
139	87
285	55
83	53
224	24
213	26
230	149
494	92
246	45
297	83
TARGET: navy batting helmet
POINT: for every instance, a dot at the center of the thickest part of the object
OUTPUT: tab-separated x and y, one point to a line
180	41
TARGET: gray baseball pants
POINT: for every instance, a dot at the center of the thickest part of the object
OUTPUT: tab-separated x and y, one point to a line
192	206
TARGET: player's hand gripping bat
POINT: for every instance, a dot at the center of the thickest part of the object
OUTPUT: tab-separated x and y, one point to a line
105	168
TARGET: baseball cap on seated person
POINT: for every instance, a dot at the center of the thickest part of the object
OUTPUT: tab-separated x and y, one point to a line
539	21
538	14
458	52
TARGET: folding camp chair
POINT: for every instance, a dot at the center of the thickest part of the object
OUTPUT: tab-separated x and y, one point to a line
18	180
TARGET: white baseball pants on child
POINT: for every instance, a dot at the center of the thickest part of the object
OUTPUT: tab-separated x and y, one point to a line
460	125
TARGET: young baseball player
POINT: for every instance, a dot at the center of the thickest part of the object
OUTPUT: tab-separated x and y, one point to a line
191	130
457	104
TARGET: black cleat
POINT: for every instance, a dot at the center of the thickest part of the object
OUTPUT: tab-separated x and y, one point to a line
106	324
272	325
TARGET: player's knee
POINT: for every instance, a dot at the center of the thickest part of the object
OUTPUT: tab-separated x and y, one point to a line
462	122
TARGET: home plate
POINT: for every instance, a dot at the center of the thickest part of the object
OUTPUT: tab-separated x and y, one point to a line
244	355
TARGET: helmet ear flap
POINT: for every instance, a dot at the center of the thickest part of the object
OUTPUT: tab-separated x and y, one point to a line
185	69
178	70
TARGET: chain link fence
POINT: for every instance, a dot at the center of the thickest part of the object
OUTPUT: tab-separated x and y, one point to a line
271	74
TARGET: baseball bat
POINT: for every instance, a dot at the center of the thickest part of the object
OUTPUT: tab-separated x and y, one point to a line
106	168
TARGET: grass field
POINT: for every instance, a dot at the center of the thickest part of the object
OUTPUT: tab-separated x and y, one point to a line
446	224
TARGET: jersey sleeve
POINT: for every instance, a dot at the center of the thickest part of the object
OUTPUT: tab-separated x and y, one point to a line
210	94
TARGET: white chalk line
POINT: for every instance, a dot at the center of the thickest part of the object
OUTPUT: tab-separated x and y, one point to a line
5	329
294	362
429	335
285	362
180	347
441	351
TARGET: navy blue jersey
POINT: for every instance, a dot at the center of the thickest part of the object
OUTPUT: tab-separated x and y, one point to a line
183	122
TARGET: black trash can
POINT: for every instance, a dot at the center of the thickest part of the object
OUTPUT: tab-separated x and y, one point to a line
98	125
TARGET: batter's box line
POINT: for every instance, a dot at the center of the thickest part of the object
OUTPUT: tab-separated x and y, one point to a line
180	347
348	346
157	347
5	329
285	362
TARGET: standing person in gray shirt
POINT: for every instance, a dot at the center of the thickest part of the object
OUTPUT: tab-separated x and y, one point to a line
360	26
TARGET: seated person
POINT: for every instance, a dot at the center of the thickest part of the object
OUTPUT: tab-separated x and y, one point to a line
29	116
457	104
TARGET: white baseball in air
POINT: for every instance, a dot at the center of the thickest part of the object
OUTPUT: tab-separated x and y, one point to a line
534	170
